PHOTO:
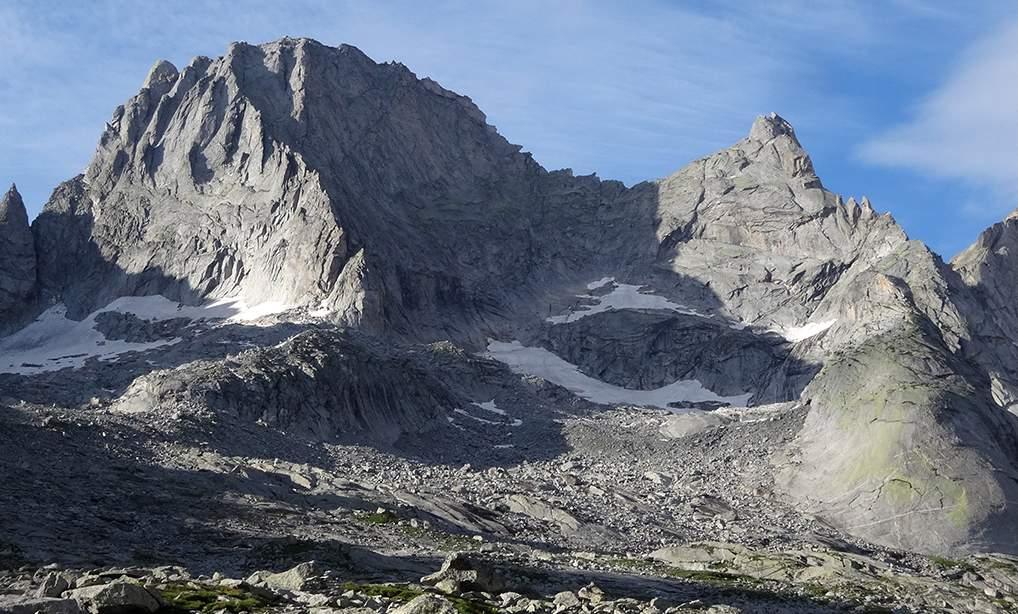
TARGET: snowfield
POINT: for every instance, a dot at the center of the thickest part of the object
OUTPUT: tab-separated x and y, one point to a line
53	341
622	296
542	363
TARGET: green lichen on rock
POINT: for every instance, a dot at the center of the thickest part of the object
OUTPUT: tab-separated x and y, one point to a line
207	598
883	447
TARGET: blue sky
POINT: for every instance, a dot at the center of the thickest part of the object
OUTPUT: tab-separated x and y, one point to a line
913	103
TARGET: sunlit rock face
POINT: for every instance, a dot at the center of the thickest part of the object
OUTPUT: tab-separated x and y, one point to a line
292	185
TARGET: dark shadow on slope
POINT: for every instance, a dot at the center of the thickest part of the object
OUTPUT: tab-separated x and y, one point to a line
590	229
644	350
618	233
90	495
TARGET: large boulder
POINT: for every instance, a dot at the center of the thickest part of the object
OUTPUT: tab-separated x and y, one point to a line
119	597
462	572
301	577
39	605
427	604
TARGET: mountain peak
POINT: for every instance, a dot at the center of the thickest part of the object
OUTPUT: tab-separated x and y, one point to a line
162	72
770	126
12	208
17	254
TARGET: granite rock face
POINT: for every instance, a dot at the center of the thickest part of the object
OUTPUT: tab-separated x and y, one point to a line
291	172
17	255
354	195
321	385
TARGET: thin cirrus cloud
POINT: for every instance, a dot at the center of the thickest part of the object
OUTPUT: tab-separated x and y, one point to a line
967	129
631	91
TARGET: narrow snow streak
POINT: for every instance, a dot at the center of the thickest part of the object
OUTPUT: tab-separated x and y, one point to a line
490	406
622	296
811	329
473	417
542	363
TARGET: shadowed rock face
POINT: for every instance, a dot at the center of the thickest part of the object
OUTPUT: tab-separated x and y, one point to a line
320	385
989	270
313	177
17	255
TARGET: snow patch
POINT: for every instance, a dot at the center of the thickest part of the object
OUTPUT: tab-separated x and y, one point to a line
156	307
473	417
622	296
810	329
490	406
53	342
542	363
604	281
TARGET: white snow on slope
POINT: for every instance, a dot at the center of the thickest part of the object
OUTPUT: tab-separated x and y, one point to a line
54	342
161	308
811	329
542	363
472	417
622	296
604	281
490	406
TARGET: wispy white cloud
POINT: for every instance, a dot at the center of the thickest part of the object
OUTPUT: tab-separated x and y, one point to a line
632	92
967	129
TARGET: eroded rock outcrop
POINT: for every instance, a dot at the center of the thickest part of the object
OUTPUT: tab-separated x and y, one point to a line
322	385
17	255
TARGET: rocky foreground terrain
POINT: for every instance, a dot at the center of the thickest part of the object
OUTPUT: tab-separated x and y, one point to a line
310	335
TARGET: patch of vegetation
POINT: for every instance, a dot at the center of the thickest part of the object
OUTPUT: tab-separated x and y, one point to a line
996	564
385	517
446	542
708	576
467	606
207	598
960	514
1005	605
817	591
945	563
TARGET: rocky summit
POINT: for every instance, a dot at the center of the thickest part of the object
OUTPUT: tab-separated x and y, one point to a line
308	334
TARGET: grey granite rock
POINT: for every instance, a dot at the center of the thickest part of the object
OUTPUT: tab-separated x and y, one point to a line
311	177
119	597
324	385
17	255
